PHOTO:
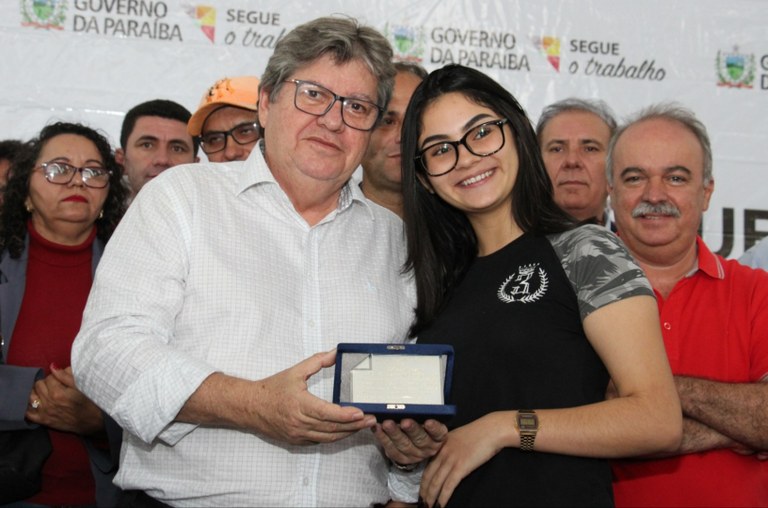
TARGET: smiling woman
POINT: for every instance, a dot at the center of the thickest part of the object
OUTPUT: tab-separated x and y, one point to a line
537	310
63	201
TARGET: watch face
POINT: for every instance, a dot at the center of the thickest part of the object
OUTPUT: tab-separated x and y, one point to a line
527	421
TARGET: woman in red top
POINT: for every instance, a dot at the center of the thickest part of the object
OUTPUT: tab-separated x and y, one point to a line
63	201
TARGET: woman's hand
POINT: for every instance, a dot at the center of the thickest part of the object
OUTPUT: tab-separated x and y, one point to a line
465	449
56	402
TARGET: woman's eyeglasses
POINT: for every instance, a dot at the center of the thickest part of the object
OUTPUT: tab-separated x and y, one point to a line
61	173
484	140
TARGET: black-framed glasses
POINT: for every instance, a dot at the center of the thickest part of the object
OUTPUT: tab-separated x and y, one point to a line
317	100
61	173
242	134
484	140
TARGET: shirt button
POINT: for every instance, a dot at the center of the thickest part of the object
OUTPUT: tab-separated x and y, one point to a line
305	481
667	325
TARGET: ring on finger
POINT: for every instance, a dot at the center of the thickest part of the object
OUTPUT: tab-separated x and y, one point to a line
35	404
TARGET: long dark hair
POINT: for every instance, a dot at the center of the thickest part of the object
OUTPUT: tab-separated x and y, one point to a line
441	241
14	214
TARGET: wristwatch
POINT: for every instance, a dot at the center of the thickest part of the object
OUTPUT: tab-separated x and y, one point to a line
527	426
405	468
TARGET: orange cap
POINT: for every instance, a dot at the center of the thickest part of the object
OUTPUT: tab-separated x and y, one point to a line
241	92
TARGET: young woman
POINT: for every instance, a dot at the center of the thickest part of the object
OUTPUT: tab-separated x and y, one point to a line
541	312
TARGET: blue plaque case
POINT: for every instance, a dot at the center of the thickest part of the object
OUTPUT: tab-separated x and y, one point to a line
398	380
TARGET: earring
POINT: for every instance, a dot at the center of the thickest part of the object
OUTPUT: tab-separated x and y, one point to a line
101	214
28	207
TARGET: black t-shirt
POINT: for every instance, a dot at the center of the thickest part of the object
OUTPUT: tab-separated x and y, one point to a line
515	322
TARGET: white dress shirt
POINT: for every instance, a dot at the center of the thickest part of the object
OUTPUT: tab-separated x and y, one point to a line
212	269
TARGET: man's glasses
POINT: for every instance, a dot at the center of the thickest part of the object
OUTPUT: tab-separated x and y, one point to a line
242	134
61	173
484	140
317	100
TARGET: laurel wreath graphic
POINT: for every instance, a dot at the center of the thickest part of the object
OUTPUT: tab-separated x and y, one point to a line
504	297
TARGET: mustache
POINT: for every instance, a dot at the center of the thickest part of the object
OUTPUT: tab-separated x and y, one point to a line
663	208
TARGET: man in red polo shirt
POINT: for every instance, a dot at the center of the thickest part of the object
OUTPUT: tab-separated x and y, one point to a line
714	316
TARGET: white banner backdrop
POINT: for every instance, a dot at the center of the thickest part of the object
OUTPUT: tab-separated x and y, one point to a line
92	60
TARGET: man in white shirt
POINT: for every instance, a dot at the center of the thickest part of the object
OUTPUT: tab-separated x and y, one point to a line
226	287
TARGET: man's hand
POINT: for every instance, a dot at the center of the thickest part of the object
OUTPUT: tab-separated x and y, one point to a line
61	406
743	450
279	407
409	442
290	413
736	410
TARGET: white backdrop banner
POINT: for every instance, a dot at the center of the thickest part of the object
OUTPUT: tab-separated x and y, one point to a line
92	60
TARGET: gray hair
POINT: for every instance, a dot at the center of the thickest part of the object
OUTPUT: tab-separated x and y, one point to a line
595	106
344	39
411	68
673	112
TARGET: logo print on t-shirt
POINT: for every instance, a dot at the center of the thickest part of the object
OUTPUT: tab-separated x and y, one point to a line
527	285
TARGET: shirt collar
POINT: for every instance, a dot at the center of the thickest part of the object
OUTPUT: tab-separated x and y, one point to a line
257	173
355	194
709	263
256	170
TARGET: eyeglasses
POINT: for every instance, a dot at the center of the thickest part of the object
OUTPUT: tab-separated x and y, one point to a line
317	100
61	173
484	140
242	134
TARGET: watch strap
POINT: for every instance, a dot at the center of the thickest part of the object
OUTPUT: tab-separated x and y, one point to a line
526	442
